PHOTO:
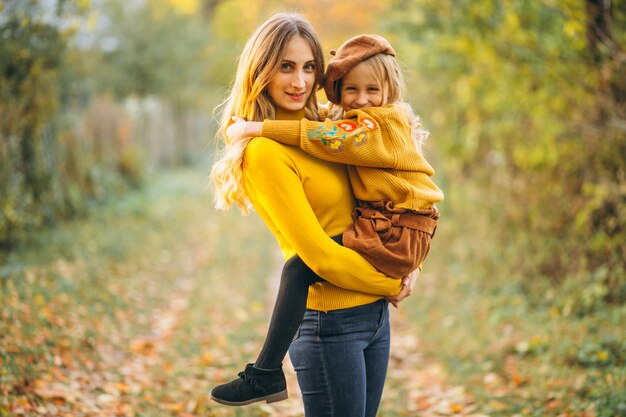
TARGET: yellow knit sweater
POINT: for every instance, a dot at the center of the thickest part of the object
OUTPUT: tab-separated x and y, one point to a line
367	140
304	200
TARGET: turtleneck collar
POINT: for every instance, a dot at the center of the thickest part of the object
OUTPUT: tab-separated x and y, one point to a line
289	115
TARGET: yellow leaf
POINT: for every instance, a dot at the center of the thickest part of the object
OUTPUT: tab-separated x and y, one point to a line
92	22
58	401
602	355
47	313
423	404
175	408
497	405
207	358
519	379
39	300
185	6
456	408
554	312
573	28
83	4
143	346
121	387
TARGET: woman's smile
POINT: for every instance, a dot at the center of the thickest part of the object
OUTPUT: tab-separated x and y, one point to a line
297	96
292	84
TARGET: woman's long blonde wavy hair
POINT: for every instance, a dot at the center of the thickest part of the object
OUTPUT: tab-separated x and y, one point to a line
260	60
388	72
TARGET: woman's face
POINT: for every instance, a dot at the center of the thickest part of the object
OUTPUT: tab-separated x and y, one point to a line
293	83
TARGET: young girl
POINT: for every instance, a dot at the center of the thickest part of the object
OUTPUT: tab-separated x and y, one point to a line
378	136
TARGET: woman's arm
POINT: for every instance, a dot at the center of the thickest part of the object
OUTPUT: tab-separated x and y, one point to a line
408	283
273	178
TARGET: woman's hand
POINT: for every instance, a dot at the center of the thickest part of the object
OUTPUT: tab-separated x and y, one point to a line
408	283
241	129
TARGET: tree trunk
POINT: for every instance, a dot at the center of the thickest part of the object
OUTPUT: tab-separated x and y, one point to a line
605	53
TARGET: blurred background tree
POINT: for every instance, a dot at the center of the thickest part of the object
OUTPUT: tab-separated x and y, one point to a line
94	96
526	102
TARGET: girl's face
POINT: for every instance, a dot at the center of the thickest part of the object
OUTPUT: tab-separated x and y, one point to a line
293	83
361	88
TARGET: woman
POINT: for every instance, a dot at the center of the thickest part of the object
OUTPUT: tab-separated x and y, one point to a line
342	348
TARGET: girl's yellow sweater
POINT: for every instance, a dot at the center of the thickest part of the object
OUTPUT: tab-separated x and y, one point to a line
376	143
305	200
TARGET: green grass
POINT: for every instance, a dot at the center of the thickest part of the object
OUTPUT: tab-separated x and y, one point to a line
510	342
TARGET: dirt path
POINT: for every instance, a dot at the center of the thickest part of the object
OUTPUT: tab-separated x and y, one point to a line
427	391
161	299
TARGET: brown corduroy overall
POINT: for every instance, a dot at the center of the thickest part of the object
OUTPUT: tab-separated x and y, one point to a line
396	241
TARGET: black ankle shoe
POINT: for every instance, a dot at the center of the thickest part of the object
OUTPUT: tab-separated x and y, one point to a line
253	385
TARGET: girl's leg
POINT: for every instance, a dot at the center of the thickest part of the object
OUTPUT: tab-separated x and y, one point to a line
264	380
288	312
289	308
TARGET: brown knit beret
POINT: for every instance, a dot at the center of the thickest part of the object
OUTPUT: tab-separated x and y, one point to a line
349	55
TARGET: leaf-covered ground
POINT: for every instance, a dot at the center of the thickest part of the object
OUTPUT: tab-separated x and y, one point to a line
140	309
143	307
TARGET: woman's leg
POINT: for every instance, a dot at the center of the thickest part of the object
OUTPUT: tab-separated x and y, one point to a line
340	359
376	362
308	358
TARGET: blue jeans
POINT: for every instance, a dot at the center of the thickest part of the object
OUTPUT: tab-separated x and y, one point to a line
341	358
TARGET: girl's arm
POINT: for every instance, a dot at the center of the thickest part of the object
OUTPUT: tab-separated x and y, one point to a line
377	137
271	175
372	137
241	129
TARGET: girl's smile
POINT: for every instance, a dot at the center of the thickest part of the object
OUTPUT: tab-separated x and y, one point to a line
361	88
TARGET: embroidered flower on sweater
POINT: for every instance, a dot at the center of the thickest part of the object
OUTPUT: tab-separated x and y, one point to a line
370	123
346	125
336	135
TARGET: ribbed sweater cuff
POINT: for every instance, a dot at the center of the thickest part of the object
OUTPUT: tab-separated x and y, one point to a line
283	131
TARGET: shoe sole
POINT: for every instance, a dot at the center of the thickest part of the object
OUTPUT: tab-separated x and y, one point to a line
279	396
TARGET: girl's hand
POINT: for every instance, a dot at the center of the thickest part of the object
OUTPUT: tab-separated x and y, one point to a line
241	129
408	283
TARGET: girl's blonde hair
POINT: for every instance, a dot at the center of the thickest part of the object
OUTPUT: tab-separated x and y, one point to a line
248	98
388	73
